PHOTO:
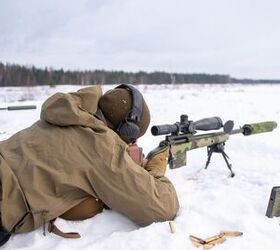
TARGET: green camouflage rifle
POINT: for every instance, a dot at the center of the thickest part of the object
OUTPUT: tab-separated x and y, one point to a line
181	137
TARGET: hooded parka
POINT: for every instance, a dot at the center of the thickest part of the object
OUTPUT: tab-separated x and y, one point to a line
69	155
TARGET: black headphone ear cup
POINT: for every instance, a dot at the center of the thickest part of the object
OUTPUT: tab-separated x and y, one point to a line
129	130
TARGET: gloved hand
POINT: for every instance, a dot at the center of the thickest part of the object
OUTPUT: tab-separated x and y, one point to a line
157	164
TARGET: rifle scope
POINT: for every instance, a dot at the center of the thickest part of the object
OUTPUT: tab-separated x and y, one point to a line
188	127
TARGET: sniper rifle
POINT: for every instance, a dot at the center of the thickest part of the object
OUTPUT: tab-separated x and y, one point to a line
181	137
11	108
14	108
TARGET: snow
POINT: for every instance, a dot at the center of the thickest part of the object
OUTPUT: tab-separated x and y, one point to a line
210	200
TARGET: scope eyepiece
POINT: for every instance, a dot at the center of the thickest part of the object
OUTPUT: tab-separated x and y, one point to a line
164	129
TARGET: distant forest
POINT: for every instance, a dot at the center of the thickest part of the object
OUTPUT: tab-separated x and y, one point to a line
18	75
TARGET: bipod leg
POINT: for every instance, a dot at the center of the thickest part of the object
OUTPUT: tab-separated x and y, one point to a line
226	158
210	151
219	148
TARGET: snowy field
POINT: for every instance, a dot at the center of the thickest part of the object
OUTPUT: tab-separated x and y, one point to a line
210	201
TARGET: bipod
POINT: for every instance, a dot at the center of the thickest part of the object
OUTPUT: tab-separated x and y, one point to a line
219	148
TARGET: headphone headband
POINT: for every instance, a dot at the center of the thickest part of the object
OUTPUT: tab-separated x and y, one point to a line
137	102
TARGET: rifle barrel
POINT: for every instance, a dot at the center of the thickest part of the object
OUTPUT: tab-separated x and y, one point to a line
237	131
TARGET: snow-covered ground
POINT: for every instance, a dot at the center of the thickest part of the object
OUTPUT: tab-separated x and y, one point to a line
210	201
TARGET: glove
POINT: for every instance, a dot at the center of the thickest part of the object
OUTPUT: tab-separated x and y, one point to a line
156	165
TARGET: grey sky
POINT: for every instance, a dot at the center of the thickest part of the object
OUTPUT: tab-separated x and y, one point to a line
236	37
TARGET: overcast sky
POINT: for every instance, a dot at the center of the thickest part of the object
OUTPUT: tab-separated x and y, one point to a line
236	37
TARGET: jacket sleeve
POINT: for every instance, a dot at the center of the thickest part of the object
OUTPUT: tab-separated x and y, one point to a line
129	189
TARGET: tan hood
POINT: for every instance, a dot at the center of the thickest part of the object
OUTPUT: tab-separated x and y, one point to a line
72	108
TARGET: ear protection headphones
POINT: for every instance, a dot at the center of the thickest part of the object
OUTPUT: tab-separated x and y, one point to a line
128	128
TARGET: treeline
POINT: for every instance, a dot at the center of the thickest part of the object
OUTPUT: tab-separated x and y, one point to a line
17	75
